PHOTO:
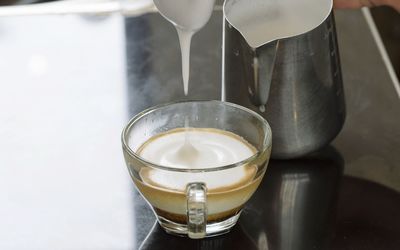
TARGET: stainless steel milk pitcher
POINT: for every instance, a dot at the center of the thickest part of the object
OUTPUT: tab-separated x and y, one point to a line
295	83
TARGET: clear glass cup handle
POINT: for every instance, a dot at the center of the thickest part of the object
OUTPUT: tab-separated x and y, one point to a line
196	195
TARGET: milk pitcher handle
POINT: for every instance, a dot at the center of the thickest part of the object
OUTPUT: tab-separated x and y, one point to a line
196	195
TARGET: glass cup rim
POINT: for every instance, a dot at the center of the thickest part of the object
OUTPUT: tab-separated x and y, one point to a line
145	112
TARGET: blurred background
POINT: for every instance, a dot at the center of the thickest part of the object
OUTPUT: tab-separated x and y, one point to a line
388	22
18	2
386	19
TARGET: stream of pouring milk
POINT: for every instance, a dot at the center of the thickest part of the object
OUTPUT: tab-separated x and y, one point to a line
185	38
188	16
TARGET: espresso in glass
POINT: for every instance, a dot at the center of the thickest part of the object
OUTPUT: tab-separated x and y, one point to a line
198	178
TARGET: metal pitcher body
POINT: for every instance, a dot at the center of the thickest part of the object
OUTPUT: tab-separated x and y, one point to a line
297	80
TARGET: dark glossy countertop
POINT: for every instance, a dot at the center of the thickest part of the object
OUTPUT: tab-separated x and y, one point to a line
70	83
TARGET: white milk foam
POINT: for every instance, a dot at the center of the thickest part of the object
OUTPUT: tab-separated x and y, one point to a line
197	148
263	21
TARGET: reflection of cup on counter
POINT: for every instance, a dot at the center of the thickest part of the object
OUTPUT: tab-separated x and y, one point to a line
157	239
197	163
294	207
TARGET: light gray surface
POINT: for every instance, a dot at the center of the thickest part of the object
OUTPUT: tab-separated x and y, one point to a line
63	182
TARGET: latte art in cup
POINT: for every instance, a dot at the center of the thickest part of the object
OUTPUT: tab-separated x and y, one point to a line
197	148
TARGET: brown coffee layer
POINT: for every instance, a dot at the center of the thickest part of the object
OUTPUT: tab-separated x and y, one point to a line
212	218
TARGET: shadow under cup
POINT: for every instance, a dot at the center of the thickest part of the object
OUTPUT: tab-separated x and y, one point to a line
200	209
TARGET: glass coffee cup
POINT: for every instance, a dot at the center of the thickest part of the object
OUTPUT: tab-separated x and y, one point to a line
205	200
